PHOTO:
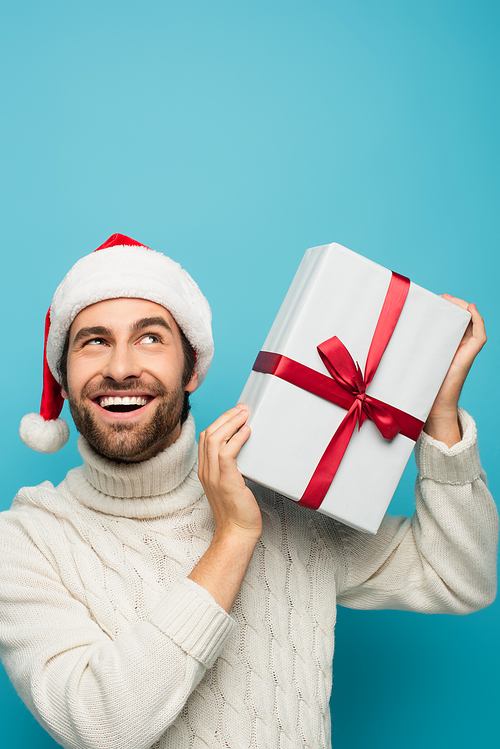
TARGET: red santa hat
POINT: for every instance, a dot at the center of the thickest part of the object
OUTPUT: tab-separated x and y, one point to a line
121	267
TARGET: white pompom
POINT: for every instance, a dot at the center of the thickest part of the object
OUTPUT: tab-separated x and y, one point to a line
43	436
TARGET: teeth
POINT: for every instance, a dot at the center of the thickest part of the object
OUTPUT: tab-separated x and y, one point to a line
125	401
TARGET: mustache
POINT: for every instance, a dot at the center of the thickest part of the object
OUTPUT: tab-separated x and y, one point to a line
109	385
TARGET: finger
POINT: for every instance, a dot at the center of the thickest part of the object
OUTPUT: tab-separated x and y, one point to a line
215	441
455	300
478	328
222	472
229	451
202	442
223	418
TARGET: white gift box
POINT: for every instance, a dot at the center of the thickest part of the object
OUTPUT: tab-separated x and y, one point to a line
337	292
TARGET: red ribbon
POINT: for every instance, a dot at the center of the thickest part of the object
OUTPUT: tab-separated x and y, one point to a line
347	388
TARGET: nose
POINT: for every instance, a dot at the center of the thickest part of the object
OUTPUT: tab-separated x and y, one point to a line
122	363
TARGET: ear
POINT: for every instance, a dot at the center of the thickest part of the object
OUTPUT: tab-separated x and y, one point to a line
64	394
192	384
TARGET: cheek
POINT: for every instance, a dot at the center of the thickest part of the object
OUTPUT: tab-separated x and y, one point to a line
80	373
167	369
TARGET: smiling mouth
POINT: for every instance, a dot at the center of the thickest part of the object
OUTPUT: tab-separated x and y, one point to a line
123	404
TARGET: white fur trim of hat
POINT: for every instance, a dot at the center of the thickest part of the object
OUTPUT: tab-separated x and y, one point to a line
121	267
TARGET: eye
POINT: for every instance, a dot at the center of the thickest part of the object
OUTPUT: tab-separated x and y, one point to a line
150	338
94	341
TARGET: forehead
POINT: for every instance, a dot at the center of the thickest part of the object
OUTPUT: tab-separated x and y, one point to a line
120	314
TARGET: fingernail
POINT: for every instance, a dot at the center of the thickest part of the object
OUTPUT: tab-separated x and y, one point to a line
240	406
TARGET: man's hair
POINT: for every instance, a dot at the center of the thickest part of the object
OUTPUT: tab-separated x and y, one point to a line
187	373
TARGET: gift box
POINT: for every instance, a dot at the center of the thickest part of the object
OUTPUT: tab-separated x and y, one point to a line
344	383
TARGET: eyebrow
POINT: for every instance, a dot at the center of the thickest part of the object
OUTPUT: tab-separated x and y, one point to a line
85	332
146	322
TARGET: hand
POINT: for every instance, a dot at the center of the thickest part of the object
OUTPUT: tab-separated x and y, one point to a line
238	522
233	505
442	422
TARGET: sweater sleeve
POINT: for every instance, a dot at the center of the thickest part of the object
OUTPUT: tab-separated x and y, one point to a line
441	560
86	689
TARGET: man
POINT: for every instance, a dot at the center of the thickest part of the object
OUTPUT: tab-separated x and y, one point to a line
140	607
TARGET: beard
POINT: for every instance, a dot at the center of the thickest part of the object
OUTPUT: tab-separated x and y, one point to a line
127	441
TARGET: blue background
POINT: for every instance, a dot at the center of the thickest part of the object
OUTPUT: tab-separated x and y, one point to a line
234	135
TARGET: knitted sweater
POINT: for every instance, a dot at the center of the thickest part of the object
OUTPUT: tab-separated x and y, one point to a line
111	646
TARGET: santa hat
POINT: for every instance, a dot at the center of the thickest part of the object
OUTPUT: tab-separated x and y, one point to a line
121	267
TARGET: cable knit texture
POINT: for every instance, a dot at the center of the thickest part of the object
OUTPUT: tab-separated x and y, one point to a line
111	646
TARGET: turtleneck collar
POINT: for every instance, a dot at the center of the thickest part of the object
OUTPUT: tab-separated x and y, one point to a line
160	486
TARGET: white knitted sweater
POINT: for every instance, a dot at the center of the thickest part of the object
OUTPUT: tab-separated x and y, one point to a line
112	647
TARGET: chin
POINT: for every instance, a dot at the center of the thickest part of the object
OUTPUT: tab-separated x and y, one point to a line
127	446
131	441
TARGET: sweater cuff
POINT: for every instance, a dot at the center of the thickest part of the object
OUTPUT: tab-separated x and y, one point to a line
459	464
190	617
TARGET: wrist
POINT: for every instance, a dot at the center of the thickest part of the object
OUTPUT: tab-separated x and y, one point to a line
223	566
236	540
444	427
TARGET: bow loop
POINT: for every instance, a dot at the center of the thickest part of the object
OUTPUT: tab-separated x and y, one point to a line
341	365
